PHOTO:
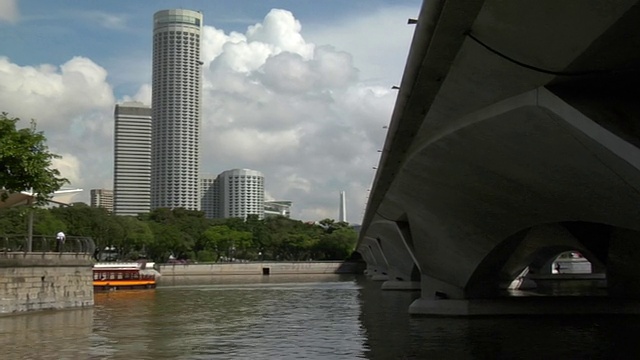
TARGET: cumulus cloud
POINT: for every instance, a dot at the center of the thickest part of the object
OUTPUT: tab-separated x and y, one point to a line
273	101
379	40
292	109
77	86
69	167
281	30
73	105
9	11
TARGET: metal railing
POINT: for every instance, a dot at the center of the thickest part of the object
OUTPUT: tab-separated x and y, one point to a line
39	244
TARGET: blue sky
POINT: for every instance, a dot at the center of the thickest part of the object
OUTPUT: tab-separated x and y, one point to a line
66	63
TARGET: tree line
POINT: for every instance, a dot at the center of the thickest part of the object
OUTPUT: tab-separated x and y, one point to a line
163	234
180	234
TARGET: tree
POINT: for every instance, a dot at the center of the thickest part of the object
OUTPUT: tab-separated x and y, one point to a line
223	240
25	161
46	223
12	221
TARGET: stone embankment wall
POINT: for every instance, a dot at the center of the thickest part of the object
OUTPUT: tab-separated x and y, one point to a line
44	280
261	268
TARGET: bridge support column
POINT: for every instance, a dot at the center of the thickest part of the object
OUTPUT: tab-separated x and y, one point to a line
623	267
377	267
403	273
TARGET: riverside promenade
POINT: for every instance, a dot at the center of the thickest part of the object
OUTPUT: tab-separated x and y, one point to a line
43	279
262	268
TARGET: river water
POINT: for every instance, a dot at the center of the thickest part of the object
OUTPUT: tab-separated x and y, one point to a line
298	317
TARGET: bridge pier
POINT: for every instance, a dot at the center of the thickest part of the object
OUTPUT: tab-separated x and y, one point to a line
400	285
514	138
402	272
376	263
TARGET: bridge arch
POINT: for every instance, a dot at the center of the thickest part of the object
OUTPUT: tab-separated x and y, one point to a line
609	249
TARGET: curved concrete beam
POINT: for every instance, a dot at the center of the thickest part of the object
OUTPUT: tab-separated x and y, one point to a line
380	270
479	152
402	271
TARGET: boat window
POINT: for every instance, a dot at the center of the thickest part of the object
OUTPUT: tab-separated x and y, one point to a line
127	276
112	276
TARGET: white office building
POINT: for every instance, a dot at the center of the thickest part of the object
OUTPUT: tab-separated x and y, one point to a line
240	193
132	159
102	198
176	109
210	197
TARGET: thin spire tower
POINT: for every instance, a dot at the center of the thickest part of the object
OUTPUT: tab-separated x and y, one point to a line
343	207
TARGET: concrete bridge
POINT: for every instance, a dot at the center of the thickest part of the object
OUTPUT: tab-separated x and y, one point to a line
515	137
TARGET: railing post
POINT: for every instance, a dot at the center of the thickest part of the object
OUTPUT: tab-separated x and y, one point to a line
30	231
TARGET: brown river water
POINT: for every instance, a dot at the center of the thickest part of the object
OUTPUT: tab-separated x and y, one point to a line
298	317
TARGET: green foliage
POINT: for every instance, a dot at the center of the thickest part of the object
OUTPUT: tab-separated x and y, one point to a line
45	223
136	237
13	220
337	244
25	161
187	235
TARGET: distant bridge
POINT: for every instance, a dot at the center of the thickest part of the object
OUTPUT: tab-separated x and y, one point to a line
515	137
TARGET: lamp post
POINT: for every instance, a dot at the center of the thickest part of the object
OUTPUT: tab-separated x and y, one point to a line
30	226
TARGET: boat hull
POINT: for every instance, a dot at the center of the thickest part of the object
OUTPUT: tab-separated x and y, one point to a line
123	285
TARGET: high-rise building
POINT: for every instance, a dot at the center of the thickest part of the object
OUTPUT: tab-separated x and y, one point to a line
241	193
342	214
210	197
132	159
176	109
102	198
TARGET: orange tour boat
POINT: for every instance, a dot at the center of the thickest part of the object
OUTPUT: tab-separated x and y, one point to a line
114	276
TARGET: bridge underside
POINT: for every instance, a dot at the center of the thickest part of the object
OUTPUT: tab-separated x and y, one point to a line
514	138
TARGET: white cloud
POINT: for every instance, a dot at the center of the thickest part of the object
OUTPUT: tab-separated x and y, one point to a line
279	32
69	167
378	41
276	103
273	101
143	95
73	105
53	94
282	30
9	11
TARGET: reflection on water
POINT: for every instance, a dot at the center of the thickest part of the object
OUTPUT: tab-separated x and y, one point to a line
172	281
275	317
46	334
297	317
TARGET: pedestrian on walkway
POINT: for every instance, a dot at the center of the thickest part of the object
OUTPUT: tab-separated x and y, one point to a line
60	238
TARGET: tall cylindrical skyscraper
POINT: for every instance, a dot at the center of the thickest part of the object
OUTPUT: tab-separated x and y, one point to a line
176	109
